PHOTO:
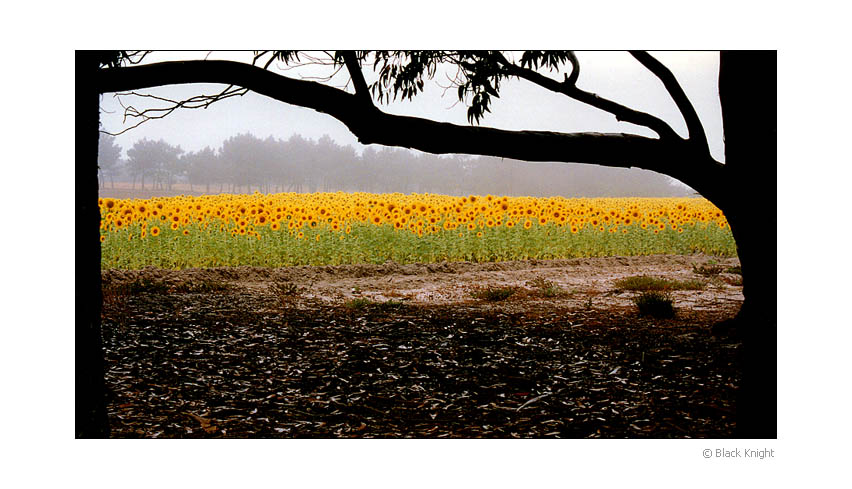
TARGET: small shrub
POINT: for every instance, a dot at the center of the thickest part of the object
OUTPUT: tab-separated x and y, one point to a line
546	288
707	270
656	304
284	288
357	303
493	293
646	283
737	269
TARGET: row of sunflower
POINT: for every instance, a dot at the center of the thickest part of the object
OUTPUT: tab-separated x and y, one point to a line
329	228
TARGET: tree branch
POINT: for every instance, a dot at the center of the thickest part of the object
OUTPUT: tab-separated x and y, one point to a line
575	69
360	84
372	126
569	88
693	123
196	102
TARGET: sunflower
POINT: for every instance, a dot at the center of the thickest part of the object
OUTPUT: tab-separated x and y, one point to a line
527	224
155	231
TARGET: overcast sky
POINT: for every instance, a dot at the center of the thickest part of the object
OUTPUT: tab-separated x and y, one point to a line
522	105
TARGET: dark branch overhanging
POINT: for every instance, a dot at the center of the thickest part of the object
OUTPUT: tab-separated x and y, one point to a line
570	89
693	123
196	102
362	91
372	126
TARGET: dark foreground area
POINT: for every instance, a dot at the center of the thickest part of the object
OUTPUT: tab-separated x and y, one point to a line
240	364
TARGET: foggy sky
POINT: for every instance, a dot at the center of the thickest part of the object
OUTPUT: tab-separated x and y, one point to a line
521	106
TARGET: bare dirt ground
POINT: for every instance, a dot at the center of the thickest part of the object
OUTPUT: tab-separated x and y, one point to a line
407	351
585	280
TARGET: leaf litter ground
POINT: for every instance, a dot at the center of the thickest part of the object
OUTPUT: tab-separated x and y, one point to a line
294	353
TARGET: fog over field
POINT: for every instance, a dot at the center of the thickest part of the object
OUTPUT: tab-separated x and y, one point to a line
253	142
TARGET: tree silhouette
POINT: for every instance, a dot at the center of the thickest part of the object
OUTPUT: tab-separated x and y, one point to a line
743	187
157	160
200	167
109	154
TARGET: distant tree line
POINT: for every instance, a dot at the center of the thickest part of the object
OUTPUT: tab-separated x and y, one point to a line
245	163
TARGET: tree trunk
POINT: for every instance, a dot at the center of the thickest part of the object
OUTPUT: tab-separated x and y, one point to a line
747	90
89	390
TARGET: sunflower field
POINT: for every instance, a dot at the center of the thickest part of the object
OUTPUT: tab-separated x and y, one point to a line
339	228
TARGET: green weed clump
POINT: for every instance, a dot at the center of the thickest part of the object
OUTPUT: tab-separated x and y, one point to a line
357	303
641	283
284	288
708	270
493	294
655	304
546	288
